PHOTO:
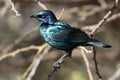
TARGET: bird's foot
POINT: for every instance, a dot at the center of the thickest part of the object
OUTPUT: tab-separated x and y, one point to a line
56	65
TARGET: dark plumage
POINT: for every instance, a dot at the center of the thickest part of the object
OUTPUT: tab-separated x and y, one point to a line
62	36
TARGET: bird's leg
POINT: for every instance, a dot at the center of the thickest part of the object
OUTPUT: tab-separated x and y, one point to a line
56	65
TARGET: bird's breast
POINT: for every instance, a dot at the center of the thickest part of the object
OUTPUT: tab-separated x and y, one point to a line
47	33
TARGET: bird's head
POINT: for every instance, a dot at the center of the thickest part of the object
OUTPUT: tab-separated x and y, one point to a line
45	16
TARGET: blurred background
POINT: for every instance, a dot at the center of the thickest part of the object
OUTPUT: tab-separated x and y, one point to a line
78	13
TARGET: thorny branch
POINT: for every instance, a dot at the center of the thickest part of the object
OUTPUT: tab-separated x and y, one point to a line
100	23
96	64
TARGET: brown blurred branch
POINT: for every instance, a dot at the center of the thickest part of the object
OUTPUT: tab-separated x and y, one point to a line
101	22
116	75
94	10
41	5
92	29
113	17
18	40
18	51
102	3
83	52
61	14
89	28
87	64
4	9
29	73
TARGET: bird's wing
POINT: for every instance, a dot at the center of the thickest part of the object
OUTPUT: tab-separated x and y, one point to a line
65	33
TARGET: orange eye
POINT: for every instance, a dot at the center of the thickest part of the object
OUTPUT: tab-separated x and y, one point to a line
42	16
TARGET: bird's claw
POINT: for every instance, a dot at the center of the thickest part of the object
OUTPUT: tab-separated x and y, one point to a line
56	65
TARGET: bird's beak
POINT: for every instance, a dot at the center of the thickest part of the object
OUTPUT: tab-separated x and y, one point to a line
33	16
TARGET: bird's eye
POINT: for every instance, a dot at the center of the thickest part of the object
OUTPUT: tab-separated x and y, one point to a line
41	16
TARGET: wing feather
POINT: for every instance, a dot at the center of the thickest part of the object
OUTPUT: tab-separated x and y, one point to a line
69	34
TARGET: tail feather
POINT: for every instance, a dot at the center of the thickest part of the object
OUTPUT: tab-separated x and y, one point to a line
97	43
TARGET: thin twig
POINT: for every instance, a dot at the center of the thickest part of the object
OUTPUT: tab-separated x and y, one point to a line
61	14
41	4
89	28
101	22
14	53
96	64
102	3
113	17
85	50
13	8
94	10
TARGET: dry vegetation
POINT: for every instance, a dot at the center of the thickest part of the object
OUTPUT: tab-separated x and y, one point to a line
24	55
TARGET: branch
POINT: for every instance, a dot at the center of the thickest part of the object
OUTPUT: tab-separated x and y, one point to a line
41	4
61	14
13	8
29	73
102	3
87	64
89	28
96	64
101	22
113	17
18	51
21	38
4	9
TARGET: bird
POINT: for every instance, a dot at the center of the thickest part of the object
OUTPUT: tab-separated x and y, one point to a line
62	36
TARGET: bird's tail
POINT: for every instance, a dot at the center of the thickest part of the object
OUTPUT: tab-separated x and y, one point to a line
94	42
